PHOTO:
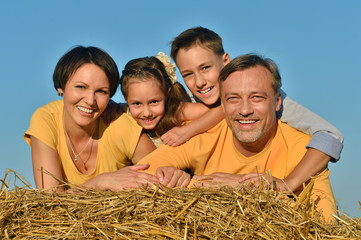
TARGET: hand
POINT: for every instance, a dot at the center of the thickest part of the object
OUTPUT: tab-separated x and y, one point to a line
264	179
173	177
217	179
111	110
124	178
176	136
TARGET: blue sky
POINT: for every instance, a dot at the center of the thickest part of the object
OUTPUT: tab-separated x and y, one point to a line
315	43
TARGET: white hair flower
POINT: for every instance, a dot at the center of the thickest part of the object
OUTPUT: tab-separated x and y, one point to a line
169	67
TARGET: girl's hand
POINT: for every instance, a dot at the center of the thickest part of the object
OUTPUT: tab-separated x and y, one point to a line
112	109
176	136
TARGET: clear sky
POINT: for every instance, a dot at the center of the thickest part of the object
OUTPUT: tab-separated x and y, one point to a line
315	43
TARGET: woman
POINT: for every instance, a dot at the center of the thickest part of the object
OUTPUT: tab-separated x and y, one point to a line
69	139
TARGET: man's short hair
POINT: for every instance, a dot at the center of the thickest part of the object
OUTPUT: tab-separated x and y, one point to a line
247	61
197	35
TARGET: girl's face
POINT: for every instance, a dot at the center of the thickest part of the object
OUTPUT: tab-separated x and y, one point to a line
146	102
86	95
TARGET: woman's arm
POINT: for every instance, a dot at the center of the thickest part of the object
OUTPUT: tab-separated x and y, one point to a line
203	120
45	161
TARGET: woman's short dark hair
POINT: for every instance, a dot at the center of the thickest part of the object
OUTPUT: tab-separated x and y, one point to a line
76	57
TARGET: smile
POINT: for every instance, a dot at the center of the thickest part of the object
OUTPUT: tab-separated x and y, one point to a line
86	110
246	121
206	91
148	120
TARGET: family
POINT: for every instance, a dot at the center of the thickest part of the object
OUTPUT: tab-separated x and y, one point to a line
236	126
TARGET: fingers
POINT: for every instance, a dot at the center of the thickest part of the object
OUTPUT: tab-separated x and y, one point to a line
172	177
139	167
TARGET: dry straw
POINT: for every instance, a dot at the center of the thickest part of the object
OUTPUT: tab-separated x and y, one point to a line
154	213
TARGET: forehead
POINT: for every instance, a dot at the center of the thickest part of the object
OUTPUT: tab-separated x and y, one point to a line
194	54
254	79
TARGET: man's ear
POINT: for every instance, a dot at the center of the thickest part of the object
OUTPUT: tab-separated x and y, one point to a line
278	102
226	58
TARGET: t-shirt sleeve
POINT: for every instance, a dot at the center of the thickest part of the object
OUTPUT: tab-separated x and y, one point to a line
43	126
125	135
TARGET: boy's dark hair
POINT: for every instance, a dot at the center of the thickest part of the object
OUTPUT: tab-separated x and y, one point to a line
247	61
71	61
197	35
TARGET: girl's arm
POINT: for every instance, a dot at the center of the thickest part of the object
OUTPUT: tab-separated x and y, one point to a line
144	147
202	119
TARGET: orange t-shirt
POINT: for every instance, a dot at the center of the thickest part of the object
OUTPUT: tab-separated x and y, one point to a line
116	144
214	151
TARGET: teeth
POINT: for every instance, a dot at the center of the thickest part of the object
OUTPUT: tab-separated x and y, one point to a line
246	121
206	91
85	109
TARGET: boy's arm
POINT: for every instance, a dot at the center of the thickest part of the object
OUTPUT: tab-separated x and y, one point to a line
203	120
325	137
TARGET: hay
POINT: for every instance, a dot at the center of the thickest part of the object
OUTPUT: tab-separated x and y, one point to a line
154	213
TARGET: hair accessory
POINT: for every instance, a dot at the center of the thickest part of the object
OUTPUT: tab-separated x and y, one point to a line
60	94
169	67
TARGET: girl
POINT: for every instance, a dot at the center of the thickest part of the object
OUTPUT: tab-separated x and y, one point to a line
159	103
69	139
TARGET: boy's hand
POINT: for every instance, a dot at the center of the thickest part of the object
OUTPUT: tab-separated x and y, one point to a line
264	179
176	136
112	109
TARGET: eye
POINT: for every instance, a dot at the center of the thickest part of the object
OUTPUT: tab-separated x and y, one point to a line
154	101
258	98
205	67
103	92
232	99
135	104
186	75
79	86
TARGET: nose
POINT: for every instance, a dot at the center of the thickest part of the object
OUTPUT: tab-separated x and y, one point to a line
200	81
147	112
90	98
245	109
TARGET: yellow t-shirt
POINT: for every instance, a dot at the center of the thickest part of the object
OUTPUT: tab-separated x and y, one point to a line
116	143
214	151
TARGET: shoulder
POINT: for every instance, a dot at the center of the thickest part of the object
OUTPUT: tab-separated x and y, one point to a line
292	135
45	123
51	108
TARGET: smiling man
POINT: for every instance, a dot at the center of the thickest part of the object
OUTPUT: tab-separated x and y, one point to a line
250	140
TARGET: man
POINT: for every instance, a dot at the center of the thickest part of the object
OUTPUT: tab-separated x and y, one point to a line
250	140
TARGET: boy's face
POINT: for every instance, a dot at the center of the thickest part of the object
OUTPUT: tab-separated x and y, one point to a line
200	68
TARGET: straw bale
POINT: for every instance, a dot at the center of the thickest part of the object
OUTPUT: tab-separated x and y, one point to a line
162	213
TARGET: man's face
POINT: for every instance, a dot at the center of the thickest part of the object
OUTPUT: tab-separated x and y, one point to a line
200	68
250	106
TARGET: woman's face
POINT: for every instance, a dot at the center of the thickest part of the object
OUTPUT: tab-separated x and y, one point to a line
86	95
146	102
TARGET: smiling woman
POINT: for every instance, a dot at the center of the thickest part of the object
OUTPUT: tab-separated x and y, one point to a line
69	139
